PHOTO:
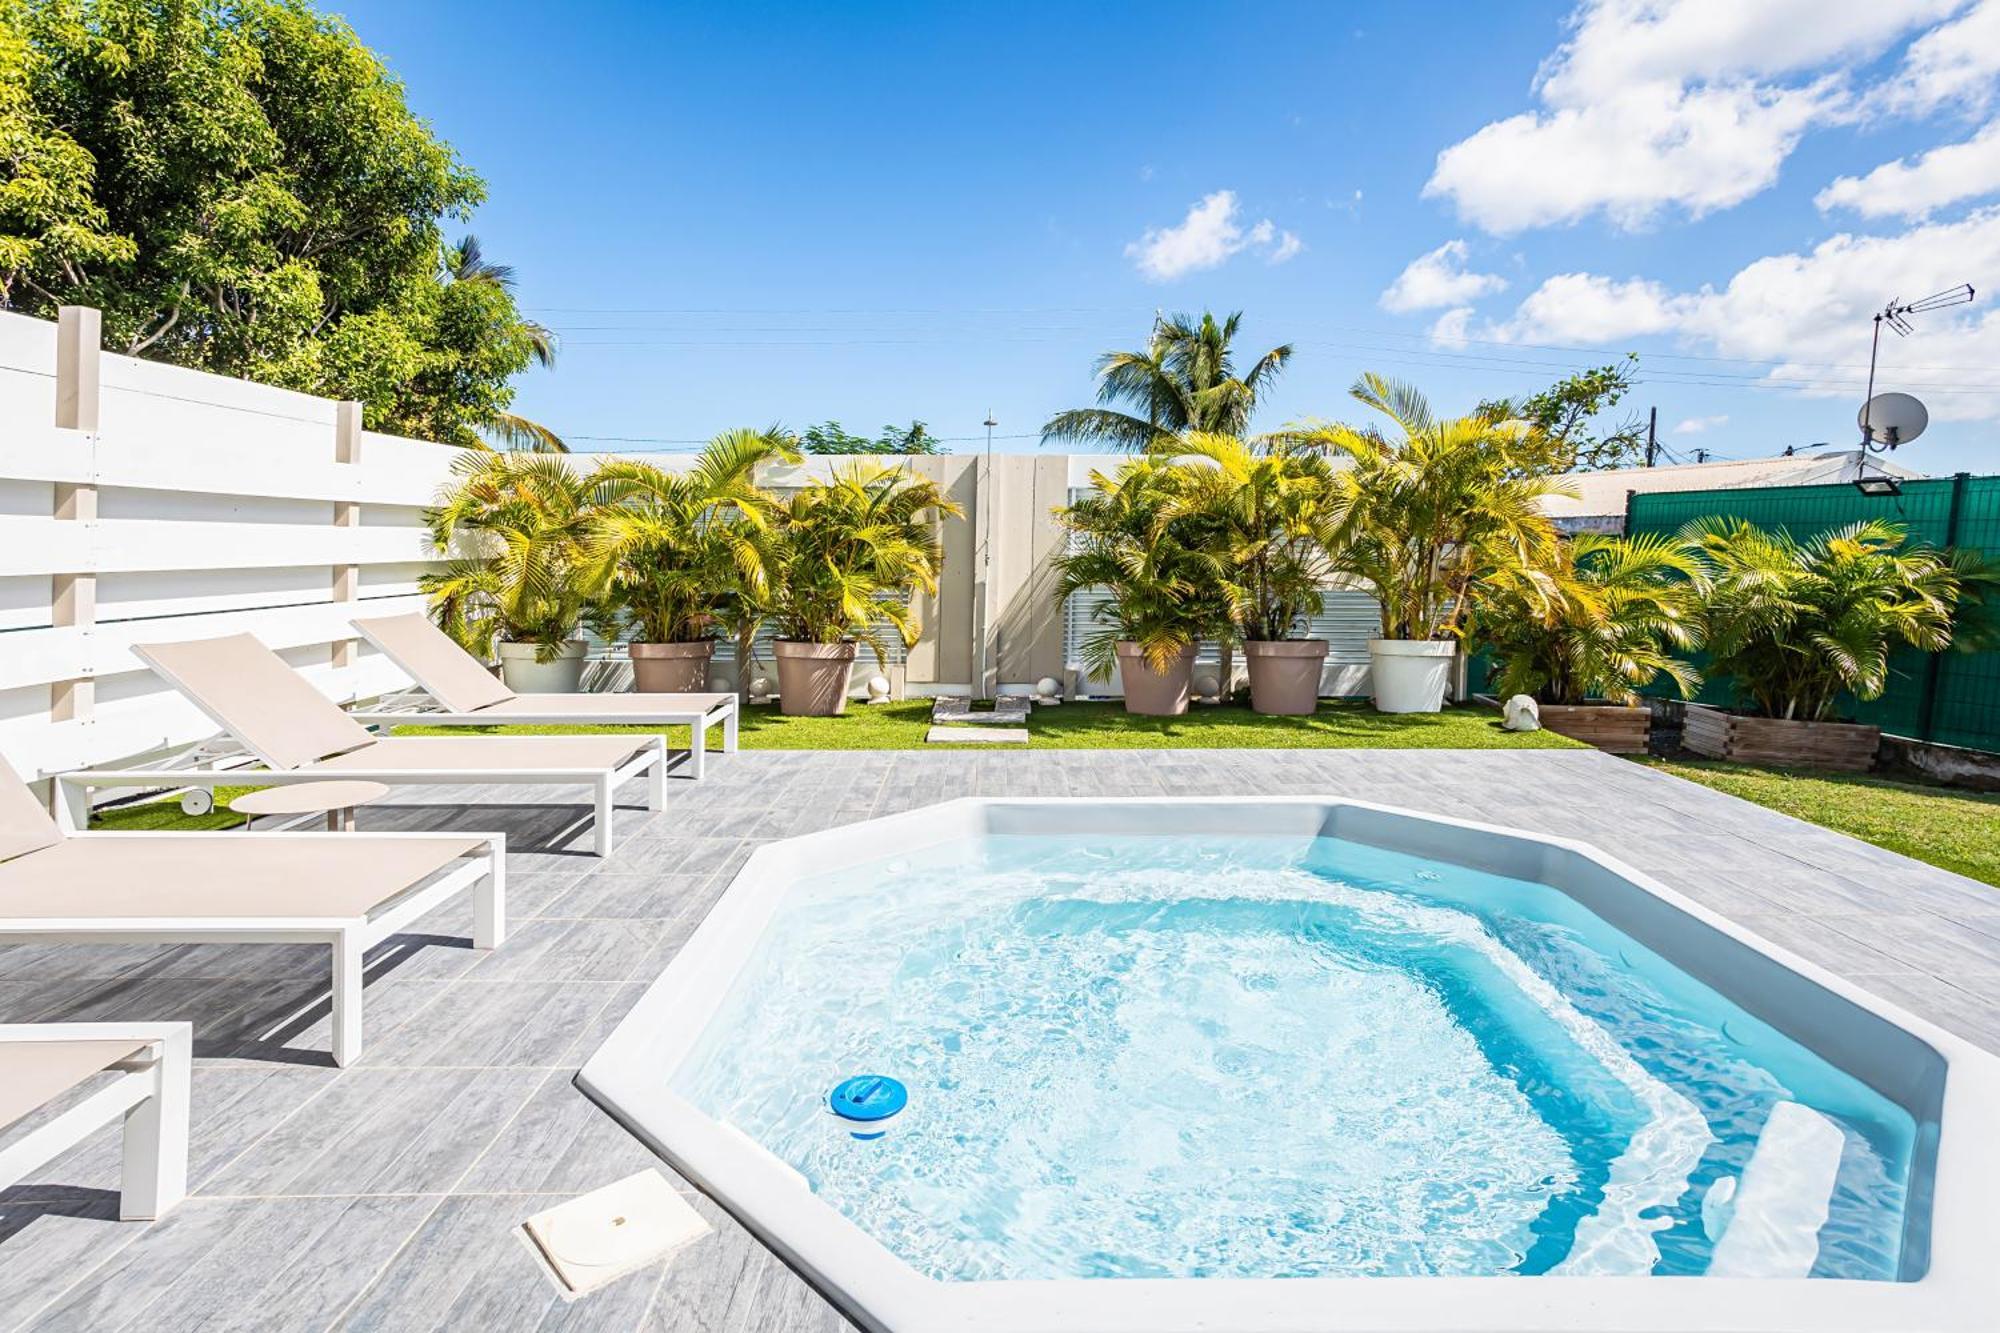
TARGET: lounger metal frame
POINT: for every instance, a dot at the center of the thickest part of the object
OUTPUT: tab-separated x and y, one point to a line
418	706
151	1094
348	938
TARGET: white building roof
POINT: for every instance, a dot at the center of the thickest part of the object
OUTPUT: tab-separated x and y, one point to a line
1602	494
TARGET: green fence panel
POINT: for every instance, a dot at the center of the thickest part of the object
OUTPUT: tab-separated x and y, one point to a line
1953	698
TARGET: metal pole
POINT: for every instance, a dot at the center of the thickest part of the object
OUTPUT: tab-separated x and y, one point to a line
1652	434
1867	420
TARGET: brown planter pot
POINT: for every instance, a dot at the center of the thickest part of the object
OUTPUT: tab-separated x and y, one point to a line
1774	740
670	668
812	677
1614	728
1284	675
1151	693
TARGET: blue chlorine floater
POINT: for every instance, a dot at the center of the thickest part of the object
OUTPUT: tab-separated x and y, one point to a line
867	1104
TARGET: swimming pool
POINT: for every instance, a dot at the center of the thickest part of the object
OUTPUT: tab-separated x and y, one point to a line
1159	1053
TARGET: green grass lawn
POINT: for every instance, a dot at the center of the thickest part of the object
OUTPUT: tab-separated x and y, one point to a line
1956	830
156	816
1339	724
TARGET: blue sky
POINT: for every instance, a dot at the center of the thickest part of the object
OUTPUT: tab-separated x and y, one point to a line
735	215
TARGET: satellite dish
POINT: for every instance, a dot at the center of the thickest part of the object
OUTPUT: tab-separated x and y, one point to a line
1890	419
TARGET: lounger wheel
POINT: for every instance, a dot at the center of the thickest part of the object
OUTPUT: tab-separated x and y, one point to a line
197	801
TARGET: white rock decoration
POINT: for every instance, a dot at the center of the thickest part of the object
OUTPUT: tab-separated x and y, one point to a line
1521	713
878	689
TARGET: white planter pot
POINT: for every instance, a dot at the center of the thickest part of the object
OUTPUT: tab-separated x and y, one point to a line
1410	675
524	675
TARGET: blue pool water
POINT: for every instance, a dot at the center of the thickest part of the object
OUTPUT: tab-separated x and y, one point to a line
1265	1057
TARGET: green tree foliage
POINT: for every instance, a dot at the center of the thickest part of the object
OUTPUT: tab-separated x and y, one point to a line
1134	537
1566	418
515	525
828	437
1794	624
1185	379
241	188
1437	507
1603	622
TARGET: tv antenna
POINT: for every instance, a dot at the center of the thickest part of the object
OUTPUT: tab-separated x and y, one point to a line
1877	433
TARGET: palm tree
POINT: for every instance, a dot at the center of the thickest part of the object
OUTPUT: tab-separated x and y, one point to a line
523	517
846	552
1132	537
1794	624
1433	512
467	262
1604	623
671	550
1185	380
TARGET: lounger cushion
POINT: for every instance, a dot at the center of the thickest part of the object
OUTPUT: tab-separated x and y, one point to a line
257	697
24	825
452	675
35	1073
486	754
601	707
123	876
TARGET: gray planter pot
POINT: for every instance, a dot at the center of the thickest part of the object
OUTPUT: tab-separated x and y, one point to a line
1284	675
812	677
1151	693
670	668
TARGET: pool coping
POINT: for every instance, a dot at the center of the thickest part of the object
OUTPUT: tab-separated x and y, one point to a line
878	1291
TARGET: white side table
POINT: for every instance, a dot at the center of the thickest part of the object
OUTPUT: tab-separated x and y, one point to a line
336	799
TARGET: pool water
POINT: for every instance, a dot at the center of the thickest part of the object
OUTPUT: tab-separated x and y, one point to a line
1134	1056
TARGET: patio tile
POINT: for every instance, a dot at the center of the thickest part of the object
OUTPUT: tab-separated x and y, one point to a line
471	1267
559	1143
1838	950
493	1025
383	1131
310	1257
627	894
569	950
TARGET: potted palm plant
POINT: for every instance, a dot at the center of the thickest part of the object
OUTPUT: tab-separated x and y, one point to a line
516	588
1797	626
1429	514
1583	637
844	555
1265	514
669	549
1132	538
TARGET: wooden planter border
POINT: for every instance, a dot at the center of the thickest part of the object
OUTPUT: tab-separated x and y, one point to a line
1614	728
1771	740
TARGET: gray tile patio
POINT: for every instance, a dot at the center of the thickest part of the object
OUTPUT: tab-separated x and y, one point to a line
388	1195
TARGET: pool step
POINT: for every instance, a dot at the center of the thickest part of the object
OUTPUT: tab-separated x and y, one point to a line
954	710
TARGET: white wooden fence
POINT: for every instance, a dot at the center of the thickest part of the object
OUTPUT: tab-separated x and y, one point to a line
142	502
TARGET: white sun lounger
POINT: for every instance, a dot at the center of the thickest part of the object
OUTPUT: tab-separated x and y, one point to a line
39	1062
303	736
348	891
456	690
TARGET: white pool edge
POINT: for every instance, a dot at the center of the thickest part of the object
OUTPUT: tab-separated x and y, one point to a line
630	1073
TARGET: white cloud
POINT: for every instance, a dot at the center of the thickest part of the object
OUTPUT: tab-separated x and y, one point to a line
1696	425
1953	63
1587	308
1452	328
1206	238
1915	187
1651	104
1807	314
1439	278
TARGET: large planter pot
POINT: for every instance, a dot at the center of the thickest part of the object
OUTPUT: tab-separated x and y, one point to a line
1284	675
524	675
670	668
1613	728
1410	675
1151	693
812	677
1775	740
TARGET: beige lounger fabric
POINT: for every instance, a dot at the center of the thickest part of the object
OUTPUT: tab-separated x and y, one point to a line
602	707
270	707
34	1073
24	825
477	755
427	654
130	875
